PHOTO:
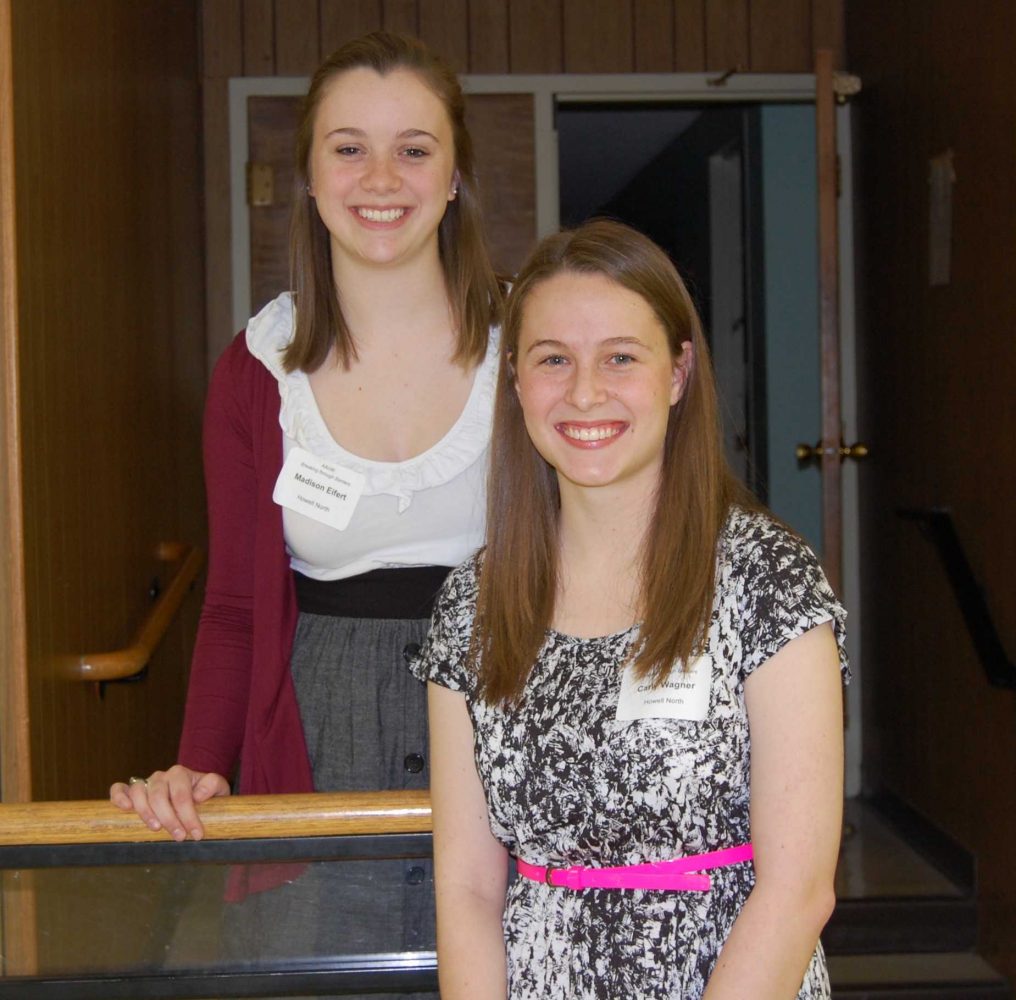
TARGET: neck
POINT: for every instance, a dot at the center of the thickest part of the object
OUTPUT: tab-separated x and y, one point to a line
604	526
381	304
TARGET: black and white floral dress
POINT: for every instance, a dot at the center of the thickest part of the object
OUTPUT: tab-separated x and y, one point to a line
567	783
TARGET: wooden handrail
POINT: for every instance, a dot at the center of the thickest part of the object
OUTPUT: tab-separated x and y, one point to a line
123	663
239	817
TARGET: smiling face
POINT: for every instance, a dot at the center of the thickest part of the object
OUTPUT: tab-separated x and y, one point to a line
596	380
381	167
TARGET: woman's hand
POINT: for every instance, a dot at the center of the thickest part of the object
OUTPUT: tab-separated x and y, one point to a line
167	800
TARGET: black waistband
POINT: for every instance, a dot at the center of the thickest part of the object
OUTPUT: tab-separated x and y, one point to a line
407	592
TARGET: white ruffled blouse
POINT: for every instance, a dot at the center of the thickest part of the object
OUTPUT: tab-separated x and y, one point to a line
425	511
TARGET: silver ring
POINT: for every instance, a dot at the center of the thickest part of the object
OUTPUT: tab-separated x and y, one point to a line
137	781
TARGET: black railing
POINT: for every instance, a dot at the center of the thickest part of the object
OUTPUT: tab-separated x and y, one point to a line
936	524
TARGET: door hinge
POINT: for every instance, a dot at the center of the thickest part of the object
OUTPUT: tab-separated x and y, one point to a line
260	185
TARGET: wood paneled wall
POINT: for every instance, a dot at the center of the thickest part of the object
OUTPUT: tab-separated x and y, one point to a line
111	350
938	409
290	37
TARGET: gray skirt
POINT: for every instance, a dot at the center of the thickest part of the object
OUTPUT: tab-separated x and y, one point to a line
365	721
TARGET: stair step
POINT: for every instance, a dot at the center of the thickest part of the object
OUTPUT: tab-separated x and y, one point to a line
915	976
911	924
901	886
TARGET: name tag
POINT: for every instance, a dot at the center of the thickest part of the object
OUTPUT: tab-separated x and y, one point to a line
683	695
317	489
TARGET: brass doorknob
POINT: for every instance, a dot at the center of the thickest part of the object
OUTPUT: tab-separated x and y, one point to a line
856	451
813	452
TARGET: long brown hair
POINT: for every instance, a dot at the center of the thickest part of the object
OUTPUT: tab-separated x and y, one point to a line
473	290
518	576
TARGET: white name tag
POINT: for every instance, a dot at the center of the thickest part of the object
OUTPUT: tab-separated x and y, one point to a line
683	695
320	490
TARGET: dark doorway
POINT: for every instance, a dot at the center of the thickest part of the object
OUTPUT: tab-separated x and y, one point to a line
683	175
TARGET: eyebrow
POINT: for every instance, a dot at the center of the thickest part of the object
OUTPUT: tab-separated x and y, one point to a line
359	133
610	342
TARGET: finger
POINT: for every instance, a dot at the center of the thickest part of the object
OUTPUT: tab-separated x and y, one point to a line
140	800
210	786
119	796
132	795
183	784
157	809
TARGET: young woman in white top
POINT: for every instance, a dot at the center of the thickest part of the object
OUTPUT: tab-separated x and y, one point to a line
346	437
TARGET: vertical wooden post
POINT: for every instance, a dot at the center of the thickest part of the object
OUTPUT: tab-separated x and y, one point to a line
829	304
18	945
15	757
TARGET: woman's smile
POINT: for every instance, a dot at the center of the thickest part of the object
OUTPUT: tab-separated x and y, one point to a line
591	435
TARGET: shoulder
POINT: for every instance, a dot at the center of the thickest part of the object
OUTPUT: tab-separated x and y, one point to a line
270	332
458	595
774	586
444	658
245	381
753	541
239	375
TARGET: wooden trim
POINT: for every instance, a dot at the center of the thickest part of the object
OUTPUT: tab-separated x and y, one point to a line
240	817
18	942
15	754
829	304
127	662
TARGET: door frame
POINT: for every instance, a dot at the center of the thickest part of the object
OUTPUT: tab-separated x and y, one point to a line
693	88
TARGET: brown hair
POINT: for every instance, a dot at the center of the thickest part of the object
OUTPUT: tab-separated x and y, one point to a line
473	290
518	578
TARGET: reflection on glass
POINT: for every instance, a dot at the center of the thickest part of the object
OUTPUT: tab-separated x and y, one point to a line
186	918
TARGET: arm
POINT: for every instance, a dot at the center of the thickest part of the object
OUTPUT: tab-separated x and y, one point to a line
470	866
220	672
794	704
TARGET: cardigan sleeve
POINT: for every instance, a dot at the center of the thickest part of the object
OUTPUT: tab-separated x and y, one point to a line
220	677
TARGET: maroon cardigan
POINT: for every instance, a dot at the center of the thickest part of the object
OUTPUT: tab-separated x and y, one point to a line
241	704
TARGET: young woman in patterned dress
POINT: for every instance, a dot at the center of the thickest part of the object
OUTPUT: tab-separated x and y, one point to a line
641	666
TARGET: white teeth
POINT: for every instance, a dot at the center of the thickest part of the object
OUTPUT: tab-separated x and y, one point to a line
589	433
381	214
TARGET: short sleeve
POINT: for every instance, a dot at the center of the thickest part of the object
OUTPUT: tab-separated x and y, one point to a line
443	658
781	591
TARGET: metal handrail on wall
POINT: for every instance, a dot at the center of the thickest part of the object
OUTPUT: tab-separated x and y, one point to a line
937	526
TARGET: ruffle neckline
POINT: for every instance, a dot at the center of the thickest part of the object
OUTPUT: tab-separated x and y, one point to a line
268	335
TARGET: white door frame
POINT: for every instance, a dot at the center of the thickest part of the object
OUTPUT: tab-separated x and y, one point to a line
547	90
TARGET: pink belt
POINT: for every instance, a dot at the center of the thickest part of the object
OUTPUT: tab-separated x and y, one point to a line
678	873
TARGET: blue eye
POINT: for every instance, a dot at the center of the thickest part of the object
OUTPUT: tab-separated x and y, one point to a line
416	153
622	359
347	150
554	360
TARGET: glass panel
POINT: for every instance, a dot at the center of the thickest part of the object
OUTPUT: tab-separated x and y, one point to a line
203	928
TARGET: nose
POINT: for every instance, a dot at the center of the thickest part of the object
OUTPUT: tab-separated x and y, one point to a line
380	176
586	388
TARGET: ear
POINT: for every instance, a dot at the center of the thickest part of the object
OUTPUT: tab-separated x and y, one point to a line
454	189
682	370
512	373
